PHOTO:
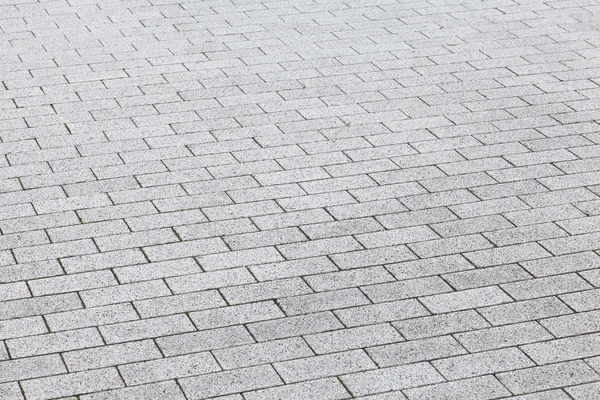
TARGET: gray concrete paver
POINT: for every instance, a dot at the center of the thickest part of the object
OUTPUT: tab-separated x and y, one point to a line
300	199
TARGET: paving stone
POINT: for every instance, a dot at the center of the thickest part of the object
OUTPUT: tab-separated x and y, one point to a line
563	349
548	286
562	264
111	355
406	289
10	391
352	338
587	390
228	382
204	340
209	280
262	353
415	351
465	299
324	365
486	387
503	336
525	310
582	301
437	325
393	378
585	322
168	368
72	384
330	300
54	342
160	306
165	390
89	317
325	281
31	367
545	395
328	388
147	328
123	293
484	363
547	377
382	312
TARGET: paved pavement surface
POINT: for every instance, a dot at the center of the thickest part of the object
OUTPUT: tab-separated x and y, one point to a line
300	199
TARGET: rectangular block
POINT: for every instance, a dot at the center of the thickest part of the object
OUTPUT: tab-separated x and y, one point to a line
157	270
566	349
123	293
54	342
72	283
98	261
525	310
465	299
468	226
265	290
507	254
484	363
415	351
443	324
562	264
429	267
352	338
294	326
287	269
263	239
14	328
136	239
32	367
366	209
178	304
441	247
147	328
234	315
168	390
240	258
228	382
486	276
370	257
406	289
547	377
549	286
486	387
39	305
210	280
262	353
392	378
323	366
322	301
503	336
382	312
55	250
72	384
111	355
91	317
328	388
192	248
395	237
319	247
168	368
204	340
574	324
583	301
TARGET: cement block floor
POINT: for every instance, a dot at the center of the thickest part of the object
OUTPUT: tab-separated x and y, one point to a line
299	199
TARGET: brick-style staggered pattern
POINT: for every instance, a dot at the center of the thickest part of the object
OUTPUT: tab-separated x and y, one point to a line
299	199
